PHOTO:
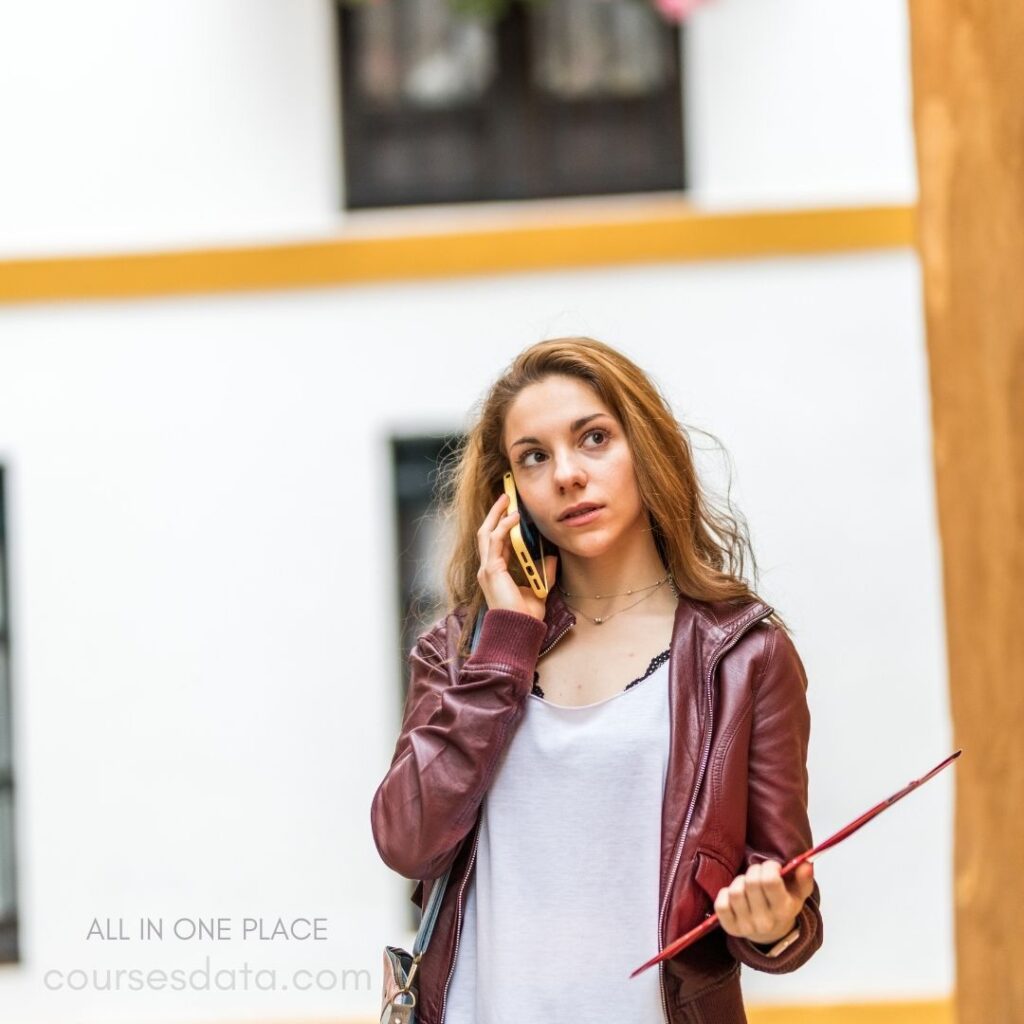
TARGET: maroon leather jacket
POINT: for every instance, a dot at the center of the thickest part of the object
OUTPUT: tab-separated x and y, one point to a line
736	791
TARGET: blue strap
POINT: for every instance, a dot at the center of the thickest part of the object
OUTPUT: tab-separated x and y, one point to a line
429	918
433	906
477	627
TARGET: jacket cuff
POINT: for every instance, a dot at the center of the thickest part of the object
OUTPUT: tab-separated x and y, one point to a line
809	924
511	640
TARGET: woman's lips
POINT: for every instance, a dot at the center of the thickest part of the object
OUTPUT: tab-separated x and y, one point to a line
583	518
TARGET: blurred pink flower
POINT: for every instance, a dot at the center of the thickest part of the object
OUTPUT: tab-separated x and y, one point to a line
676	10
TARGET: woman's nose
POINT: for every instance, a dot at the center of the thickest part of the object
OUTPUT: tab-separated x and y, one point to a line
569	473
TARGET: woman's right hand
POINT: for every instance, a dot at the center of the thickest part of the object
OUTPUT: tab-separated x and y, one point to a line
500	590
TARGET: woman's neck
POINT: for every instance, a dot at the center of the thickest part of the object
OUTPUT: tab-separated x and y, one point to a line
634	564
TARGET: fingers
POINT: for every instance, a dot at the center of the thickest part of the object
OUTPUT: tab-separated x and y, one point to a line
499	588
498	539
494	529
491	519
726	915
766	896
761	901
801	883
495	546
749	901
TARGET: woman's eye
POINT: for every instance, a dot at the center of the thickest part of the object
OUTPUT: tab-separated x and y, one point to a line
602	434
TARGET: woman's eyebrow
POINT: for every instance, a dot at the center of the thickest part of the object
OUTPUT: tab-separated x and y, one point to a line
573	427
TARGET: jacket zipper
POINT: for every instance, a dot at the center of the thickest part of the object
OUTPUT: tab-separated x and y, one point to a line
555	641
458	923
469	868
705	755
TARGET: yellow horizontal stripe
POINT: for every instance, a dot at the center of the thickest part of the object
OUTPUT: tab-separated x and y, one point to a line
916	1012
660	233
930	1012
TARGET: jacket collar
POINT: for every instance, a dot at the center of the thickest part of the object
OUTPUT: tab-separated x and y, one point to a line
715	622
557	617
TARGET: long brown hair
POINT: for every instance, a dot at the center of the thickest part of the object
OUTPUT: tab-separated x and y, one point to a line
704	547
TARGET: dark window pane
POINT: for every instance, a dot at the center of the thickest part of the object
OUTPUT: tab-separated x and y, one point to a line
417	53
8	889
583	49
554	98
7	900
5	719
423	538
423	545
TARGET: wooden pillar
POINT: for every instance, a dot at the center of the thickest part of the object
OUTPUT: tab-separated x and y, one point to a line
968	72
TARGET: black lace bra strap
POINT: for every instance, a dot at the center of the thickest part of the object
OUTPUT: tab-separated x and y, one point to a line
656	661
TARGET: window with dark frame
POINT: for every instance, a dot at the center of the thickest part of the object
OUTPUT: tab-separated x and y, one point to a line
553	98
422	541
8	891
422	544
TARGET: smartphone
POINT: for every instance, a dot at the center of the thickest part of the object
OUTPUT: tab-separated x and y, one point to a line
527	542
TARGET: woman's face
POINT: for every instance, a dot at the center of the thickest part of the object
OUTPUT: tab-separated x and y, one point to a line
567	449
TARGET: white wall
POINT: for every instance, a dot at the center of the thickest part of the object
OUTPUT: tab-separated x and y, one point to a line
800	103
140	123
145	124
204	596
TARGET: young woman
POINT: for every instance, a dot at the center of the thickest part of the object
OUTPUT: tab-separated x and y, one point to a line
613	762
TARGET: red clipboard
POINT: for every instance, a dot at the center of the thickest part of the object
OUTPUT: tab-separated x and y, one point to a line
712	922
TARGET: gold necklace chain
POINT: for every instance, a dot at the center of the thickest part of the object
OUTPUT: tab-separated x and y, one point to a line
633	590
604	618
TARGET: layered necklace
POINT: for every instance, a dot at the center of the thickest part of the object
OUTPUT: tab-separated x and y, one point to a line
600	619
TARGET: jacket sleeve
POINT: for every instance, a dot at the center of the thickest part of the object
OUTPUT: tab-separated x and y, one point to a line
777	822
451	738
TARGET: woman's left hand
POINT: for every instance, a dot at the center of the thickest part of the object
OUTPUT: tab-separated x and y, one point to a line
762	905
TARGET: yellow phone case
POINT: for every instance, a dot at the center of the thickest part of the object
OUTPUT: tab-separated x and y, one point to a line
538	580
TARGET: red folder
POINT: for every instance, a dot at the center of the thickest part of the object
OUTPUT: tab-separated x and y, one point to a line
712	922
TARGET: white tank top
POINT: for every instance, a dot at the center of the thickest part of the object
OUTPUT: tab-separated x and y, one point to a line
563	902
